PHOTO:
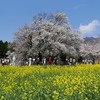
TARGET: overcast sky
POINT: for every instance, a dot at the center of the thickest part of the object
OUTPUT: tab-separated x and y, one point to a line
83	14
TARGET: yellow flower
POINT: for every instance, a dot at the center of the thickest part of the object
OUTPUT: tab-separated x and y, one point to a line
2	98
55	92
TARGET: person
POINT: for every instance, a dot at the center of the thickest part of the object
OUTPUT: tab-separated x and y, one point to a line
40	57
37	60
74	61
49	60
33	60
83	61
2	62
26	63
88	61
44	61
55	61
80	59
93	62
70	60
63	58
30	61
8	61
67	61
13	60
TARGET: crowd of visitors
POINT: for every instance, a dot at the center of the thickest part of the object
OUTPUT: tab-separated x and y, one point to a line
40	60
37	61
4	61
50	60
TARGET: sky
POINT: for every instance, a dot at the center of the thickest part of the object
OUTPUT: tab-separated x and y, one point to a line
83	15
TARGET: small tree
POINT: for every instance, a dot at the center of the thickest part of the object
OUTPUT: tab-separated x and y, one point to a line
48	34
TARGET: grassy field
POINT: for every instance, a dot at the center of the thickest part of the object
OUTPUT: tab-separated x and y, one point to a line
81	82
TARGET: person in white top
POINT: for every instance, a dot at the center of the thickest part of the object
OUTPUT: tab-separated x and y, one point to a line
30	61
44	61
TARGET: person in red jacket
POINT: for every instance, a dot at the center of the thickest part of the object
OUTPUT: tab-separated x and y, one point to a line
49	60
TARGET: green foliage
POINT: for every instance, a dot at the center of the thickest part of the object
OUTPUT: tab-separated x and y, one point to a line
3	48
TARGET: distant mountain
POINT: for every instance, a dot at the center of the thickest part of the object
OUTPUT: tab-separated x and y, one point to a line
92	40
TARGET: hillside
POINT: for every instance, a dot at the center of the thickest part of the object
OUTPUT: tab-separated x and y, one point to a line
92	40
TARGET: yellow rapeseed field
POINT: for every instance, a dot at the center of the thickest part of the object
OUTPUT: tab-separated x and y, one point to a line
80	82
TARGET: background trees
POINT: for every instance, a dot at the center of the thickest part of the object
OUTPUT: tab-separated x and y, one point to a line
91	46
48	34
3	48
